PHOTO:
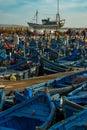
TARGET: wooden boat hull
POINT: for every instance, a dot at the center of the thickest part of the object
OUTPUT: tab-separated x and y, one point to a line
34	113
52	66
65	102
82	90
21	74
2	96
75	122
62	85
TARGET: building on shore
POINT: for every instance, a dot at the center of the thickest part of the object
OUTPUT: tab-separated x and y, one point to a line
13	28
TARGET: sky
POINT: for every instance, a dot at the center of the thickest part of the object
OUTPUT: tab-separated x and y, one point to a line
19	12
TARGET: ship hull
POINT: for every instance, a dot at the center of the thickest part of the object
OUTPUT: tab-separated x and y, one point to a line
48	26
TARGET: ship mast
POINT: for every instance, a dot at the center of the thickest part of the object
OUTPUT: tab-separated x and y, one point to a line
36	16
58	15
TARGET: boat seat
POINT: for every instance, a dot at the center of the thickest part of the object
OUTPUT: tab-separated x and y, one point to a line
38	111
35	116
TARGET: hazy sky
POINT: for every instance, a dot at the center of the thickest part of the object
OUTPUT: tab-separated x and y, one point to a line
21	11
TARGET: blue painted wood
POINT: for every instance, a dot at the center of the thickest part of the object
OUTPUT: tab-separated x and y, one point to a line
82	90
75	122
59	85
5	128
2	97
37	111
61	102
53	66
70	105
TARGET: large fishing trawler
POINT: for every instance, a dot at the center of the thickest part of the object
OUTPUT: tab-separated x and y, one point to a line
47	23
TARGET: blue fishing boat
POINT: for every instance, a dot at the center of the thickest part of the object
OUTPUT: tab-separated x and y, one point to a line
51	52
71	57
68	62
72	60
74	105
62	85
2	96
81	99
32	91
52	66
12	61
76	122
21	70
72	80
70	105
29	92
81	90
34	113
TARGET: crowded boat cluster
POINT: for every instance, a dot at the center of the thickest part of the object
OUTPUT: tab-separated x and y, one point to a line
59	104
19	51
53	105
63	42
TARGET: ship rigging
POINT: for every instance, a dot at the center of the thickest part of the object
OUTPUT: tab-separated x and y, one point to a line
47	23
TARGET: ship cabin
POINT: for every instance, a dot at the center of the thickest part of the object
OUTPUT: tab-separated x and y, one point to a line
48	22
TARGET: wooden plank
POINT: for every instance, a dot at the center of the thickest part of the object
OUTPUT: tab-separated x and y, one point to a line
21	84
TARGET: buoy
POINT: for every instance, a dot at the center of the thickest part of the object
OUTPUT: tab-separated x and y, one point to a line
12	78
